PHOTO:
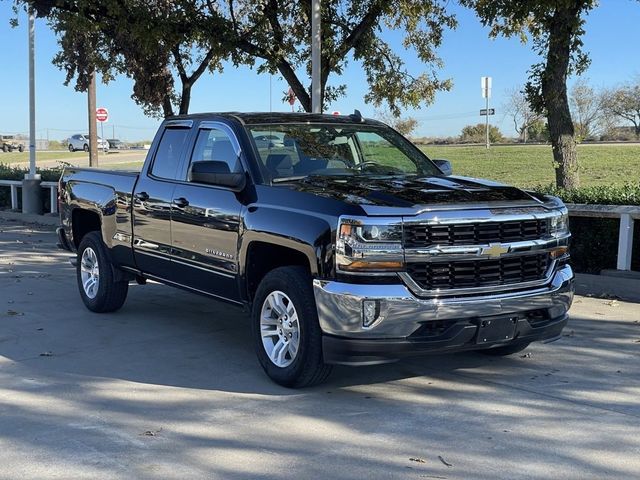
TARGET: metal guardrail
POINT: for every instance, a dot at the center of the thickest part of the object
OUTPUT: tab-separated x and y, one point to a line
627	215
15	184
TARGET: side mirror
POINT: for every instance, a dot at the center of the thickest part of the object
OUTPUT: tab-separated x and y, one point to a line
214	172
445	166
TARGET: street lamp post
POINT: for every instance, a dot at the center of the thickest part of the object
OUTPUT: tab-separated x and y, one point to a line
31	190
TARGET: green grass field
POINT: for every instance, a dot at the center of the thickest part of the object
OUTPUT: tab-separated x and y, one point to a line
531	165
18	157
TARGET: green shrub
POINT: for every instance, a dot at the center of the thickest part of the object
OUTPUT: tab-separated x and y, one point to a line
7	172
627	194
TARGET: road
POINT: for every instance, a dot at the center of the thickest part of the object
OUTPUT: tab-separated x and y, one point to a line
169	387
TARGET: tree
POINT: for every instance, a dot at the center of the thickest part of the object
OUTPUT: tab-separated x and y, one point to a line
586	109
624	102
277	33
518	108
406	125
538	131
477	134
556	27
154	43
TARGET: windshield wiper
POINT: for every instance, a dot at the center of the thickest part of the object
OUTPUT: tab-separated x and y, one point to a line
289	179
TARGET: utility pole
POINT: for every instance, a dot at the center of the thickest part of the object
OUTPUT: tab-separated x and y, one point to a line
93	127
485	84
31	191
316	39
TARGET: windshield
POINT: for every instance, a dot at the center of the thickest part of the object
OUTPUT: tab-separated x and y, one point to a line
298	150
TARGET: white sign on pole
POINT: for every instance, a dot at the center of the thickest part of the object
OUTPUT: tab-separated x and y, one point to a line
485	84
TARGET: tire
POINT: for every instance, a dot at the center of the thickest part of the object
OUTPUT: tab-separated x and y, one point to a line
506	350
5	148
21	148
86	147
71	149
306	366
107	294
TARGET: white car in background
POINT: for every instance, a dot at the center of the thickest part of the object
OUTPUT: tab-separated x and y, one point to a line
81	142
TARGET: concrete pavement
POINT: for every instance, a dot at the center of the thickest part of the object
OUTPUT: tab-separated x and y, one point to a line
169	387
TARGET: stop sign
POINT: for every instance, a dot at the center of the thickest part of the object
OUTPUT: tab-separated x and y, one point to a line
102	114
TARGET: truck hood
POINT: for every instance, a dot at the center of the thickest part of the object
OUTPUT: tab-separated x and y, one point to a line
379	195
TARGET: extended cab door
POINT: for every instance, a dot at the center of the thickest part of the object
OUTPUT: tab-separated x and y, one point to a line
205	219
152	200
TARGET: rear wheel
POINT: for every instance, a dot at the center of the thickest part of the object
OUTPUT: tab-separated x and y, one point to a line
99	289
71	149
5	148
286	333
506	350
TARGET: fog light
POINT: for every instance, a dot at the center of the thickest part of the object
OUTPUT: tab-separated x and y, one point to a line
370	312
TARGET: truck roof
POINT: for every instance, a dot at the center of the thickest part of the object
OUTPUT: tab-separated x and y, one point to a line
282	117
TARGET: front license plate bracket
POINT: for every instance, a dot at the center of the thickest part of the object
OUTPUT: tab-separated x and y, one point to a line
497	329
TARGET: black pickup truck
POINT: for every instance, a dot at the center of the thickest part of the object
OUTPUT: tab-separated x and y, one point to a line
345	243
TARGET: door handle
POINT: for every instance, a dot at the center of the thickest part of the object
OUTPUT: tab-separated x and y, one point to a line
181	202
142	196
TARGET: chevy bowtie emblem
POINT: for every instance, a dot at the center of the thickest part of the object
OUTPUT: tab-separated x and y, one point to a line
495	250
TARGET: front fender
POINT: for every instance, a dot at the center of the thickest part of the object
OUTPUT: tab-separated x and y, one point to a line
306	233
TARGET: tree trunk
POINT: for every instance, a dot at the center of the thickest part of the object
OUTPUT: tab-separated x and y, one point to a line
185	98
554	93
167	108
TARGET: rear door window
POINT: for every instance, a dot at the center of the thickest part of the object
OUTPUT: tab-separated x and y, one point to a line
167	159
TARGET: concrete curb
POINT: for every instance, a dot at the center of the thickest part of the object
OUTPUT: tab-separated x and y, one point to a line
29	219
608	286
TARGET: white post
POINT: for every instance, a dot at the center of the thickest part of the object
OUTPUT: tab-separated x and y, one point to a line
53	198
625	242
316	39
14	196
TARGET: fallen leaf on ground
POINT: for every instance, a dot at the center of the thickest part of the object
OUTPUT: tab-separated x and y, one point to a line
526	355
13	313
151	433
46	354
417	460
444	461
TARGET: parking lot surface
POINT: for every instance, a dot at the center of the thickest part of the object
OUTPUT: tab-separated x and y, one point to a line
169	387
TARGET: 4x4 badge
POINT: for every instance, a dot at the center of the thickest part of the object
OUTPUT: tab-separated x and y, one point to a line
495	250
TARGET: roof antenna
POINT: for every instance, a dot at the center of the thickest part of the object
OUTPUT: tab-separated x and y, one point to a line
357	116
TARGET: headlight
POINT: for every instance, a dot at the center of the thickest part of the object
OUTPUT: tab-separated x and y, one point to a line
369	245
559	225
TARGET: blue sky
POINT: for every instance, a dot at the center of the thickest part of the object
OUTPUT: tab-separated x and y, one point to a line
468	54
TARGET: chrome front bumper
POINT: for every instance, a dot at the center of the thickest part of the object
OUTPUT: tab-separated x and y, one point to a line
340	306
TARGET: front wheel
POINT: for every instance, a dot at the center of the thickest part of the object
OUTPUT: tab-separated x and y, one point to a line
99	289
286	333
21	148
86	147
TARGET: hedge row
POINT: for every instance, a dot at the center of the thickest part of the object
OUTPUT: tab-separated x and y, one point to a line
594	243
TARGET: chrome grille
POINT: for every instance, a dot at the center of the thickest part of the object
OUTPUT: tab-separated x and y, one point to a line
425	235
453	274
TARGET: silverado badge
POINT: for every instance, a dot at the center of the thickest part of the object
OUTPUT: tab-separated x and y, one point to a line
495	250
